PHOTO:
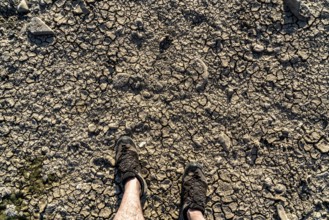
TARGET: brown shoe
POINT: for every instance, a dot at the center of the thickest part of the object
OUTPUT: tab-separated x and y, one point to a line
194	190
127	162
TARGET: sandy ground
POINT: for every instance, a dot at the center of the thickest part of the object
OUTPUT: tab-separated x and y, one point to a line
240	86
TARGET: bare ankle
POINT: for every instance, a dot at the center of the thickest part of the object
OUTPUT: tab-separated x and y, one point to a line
133	185
194	214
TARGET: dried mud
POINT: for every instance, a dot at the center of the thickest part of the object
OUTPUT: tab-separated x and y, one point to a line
240	86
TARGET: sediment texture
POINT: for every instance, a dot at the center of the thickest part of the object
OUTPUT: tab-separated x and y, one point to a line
240	86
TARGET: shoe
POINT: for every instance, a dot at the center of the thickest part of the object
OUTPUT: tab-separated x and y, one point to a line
127	163
194	190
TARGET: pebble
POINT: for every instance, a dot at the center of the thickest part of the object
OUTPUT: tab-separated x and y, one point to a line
258	48
42	205
120	80
198	141
38	27
217	207
280	188
10	211
146	94
80	9
224	140
92	128
281	212
201	86
4	191
323	147
113	125
23	7
142	144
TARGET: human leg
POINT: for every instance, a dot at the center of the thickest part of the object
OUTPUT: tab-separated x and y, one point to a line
194	214
128	169
130	207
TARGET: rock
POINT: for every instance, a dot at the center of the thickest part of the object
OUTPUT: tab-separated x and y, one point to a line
23	7
227	212
139	24
281	212
224	140
146	94
92	128
165	184
4	191
84	187
81	8
42	205
280	189
322	146
120	80
258	48
201	86
50	208
294	7
38	27
10	211
198	141
142	144
113	126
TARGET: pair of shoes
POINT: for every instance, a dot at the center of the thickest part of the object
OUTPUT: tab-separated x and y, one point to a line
194	182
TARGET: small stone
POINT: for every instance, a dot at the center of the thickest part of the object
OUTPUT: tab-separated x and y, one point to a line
42	205
103	86
280	188
92	128
146	94
142	144
139	24
281	212
113	126
268	182
201	86
227	212
4	130
284	58
303	55
165	184
38	27
111	161
81	8
198	141
224	140
10	211
322	147
225	61
111	35
50	208
23	7
258	48
100	206
120	80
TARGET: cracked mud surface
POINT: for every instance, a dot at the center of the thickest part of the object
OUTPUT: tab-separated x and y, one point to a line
241	86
